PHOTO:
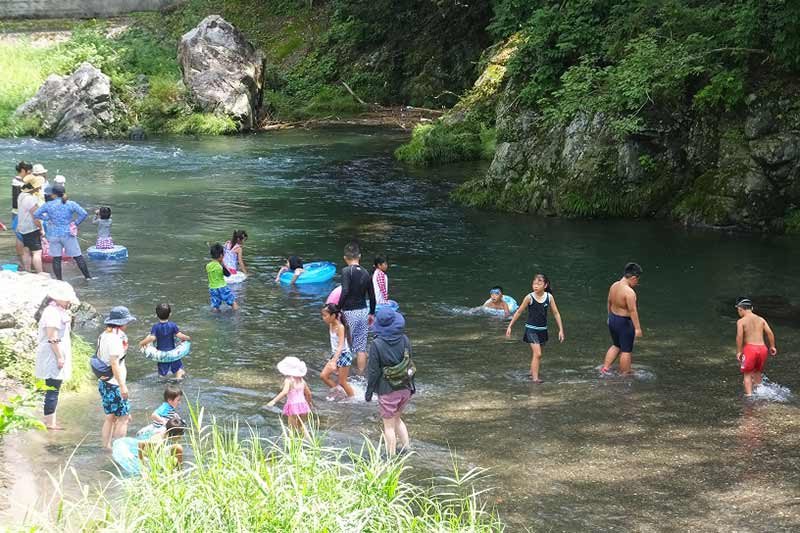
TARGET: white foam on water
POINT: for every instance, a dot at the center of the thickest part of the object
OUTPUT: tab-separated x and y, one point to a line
639	373
772	392
472	311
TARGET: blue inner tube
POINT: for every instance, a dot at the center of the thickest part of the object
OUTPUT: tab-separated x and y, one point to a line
394	305
317	272
179	352
512	307
111	254
125	452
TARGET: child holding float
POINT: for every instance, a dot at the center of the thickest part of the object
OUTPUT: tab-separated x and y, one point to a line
297	394
293	264
537	303
163	333
232	256
497	303
341	357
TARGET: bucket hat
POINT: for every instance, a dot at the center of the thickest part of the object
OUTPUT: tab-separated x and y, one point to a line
63	292
119	316
34	181
292	366
38	168
388	322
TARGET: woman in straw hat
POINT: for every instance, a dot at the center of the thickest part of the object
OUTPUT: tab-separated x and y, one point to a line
54	353
30	227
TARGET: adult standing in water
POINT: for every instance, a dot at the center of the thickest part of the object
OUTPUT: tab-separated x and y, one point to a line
356	287
23	169
111	348
59	214
28	226
623	319
54	353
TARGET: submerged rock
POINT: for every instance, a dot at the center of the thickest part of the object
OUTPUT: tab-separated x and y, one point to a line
222	70
76	106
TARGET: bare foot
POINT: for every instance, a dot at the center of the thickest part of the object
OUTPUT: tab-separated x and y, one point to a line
235	306
54	428
215	309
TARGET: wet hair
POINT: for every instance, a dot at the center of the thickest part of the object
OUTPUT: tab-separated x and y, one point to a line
163	311
744	303
216	251
104	212
546	282
633	270
171	392
352	250
379	260
239	235
60	192
497	288
332	309
294	262
175	426
22	165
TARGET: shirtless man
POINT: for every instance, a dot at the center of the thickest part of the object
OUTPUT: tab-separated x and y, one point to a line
623	319
750	348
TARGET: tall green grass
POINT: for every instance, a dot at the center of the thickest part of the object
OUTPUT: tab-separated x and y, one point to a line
256	484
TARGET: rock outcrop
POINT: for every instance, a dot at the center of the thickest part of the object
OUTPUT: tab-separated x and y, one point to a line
222	71
76	106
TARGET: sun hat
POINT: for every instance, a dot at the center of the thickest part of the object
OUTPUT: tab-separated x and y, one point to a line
60	179
38	168
35	182
293	367
119	316
63	292
388	322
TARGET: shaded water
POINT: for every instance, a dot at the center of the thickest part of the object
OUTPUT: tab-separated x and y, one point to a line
673	449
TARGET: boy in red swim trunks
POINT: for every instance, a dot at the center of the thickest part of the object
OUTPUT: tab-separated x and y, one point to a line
750	348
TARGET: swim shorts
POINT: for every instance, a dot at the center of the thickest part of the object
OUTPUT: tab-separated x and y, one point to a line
753	358
67	243
357	321
113	404
622	332
223	294
166	368
535	336
393	403
32	241
345	359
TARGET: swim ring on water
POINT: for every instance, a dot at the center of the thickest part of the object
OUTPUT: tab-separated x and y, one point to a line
317	272
125	452
512	307
179	352
116	253
235	278
336	295
149	430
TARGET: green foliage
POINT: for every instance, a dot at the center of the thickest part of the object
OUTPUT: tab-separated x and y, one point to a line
725	90
201	124
705	201
439	143
792	222
256	484
20	366
12	417
333	101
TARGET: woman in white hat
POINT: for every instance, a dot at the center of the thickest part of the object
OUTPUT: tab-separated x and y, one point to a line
54	354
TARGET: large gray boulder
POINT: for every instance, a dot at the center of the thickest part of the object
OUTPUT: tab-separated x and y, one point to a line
222	70
72	107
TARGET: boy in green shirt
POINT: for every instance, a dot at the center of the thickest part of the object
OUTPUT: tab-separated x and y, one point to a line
218	290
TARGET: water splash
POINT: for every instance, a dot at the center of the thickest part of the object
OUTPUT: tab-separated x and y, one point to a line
772	392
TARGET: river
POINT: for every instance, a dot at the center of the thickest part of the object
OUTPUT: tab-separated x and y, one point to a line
673	449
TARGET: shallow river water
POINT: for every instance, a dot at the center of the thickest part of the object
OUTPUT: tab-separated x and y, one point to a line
673	449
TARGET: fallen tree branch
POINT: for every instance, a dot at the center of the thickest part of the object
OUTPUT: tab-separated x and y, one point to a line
354	95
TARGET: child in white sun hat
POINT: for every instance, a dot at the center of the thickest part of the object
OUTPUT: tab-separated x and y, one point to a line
297	393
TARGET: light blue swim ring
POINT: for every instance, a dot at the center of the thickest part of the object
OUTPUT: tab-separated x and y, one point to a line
179	352
117	253
125	452
391	303
317	272
512	307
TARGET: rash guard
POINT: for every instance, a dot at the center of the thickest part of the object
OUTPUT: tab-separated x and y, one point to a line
356	287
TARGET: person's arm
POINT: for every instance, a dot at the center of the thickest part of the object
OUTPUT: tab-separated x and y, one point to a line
82	214
630	299
372	301
157	418
117	371
147	340
54	341
307	394
521	309
41	213
739	339
771	337
36	221
557	316
287	384
96	216
297	272
382	284
241	261
608	301
281	271
345	286
183	336
373	372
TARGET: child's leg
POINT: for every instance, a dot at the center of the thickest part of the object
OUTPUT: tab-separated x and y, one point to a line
756	379
344	372
611	354
304	426
747	380
625	362
325	376
389	435
536	359
402	433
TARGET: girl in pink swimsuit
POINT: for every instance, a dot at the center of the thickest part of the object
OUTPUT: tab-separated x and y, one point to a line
297	393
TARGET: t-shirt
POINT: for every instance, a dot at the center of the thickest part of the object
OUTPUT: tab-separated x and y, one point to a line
164	410
16	187
380	284
25	222
103	227
216	279
113	343
54	316
356	286
165	332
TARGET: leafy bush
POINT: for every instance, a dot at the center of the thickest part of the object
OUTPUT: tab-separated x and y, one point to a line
12	415
201	124
440	143
792	222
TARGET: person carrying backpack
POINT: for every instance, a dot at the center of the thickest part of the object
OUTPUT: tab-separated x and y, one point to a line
390	375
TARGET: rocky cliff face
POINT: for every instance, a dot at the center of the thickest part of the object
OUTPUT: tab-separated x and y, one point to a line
735	169
222	70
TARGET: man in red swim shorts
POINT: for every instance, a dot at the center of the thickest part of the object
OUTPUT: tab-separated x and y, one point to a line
750	348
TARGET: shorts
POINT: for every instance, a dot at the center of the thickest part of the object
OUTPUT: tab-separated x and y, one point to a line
392	404
113	404
166	368
223	294
622	332
32	241
357	321
753	358
345	359
535	336
69	244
